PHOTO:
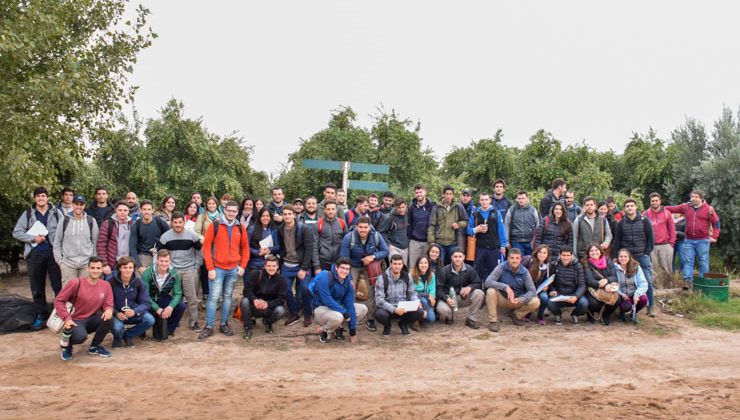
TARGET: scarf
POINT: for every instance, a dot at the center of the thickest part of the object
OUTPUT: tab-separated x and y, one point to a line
213	216
600	263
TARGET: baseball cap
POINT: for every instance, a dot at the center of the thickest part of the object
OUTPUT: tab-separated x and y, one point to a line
79	199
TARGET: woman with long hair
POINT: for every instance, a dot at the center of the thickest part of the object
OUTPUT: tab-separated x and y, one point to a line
434	253
539	269
555	230
425	284
261	229
167	208
201	225
258	205
600	273
246	212
633	286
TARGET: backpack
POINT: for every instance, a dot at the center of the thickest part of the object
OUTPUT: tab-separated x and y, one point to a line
385	281
352	240
320	224
55	212
90	221
312	284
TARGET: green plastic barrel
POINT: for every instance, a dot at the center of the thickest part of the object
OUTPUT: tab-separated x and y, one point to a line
714	286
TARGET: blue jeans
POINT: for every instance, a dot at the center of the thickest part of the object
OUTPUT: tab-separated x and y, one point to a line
556	307
678	266
221	286
694	248
290	274
525	247
140	325
445	255
544	298
647	270
431	316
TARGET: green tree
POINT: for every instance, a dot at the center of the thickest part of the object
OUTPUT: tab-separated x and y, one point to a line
718	177
688	149
647	163
63	75
537	164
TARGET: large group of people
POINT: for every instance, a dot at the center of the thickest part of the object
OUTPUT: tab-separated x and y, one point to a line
126	266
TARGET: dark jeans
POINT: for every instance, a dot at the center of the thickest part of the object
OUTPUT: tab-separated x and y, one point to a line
204	279
269	316
86	326
485	261
174	320
544	298
305	296
594	305
39	265
556	307
446	256
647	270
384	317
140	325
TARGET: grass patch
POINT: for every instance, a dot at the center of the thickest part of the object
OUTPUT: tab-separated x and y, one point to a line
709	313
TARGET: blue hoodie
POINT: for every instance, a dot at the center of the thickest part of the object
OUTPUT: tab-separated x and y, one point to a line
339	297
135	295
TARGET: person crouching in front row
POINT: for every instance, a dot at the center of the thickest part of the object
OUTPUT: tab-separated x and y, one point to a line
394	286
264	297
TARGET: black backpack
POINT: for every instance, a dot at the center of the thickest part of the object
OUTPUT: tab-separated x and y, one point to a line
90	221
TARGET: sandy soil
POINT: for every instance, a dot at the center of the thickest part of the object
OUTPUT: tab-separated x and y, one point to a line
665	368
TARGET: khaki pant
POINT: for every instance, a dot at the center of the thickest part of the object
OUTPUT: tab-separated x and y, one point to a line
416	250
404	253
474	300
190	281
662	259
494	299
370	302
330	320
69	273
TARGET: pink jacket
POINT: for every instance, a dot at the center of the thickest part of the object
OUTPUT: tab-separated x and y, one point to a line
664	229
698	220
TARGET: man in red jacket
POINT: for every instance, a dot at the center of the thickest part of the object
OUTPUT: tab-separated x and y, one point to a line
664	235
225	254
702	228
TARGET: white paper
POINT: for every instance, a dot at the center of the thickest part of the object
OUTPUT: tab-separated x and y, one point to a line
190	225
560	298
267	242
545	283
409	305
38	228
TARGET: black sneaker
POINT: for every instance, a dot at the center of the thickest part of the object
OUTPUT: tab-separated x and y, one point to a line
129	342
98	350
590	317
574	318
195	327
516	321
247	334
268	329
292	319
558	320
117	343
205	333
386	329
471	323
226	330
370	325
404	328
339	333
324	336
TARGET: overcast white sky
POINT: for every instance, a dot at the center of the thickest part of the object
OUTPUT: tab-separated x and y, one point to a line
273	71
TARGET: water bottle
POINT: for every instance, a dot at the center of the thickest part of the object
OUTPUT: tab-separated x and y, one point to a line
453	295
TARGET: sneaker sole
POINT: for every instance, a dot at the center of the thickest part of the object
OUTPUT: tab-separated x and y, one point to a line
295	322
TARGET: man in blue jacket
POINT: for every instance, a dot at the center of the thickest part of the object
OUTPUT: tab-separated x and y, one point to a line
420	215
334	300
487	226
364	246
510	286
131	304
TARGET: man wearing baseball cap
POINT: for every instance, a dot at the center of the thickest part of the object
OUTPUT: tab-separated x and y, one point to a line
74	242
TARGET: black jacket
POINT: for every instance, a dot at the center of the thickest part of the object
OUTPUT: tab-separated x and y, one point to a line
448	278
634	235
592	278
270	289
303	243
569	280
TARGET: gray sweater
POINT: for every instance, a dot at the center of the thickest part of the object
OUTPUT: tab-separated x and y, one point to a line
183	247
399	289
76	244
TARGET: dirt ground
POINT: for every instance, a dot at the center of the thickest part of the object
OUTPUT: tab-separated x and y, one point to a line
664	368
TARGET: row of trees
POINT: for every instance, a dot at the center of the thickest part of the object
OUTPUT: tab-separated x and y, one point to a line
693	157
63	80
